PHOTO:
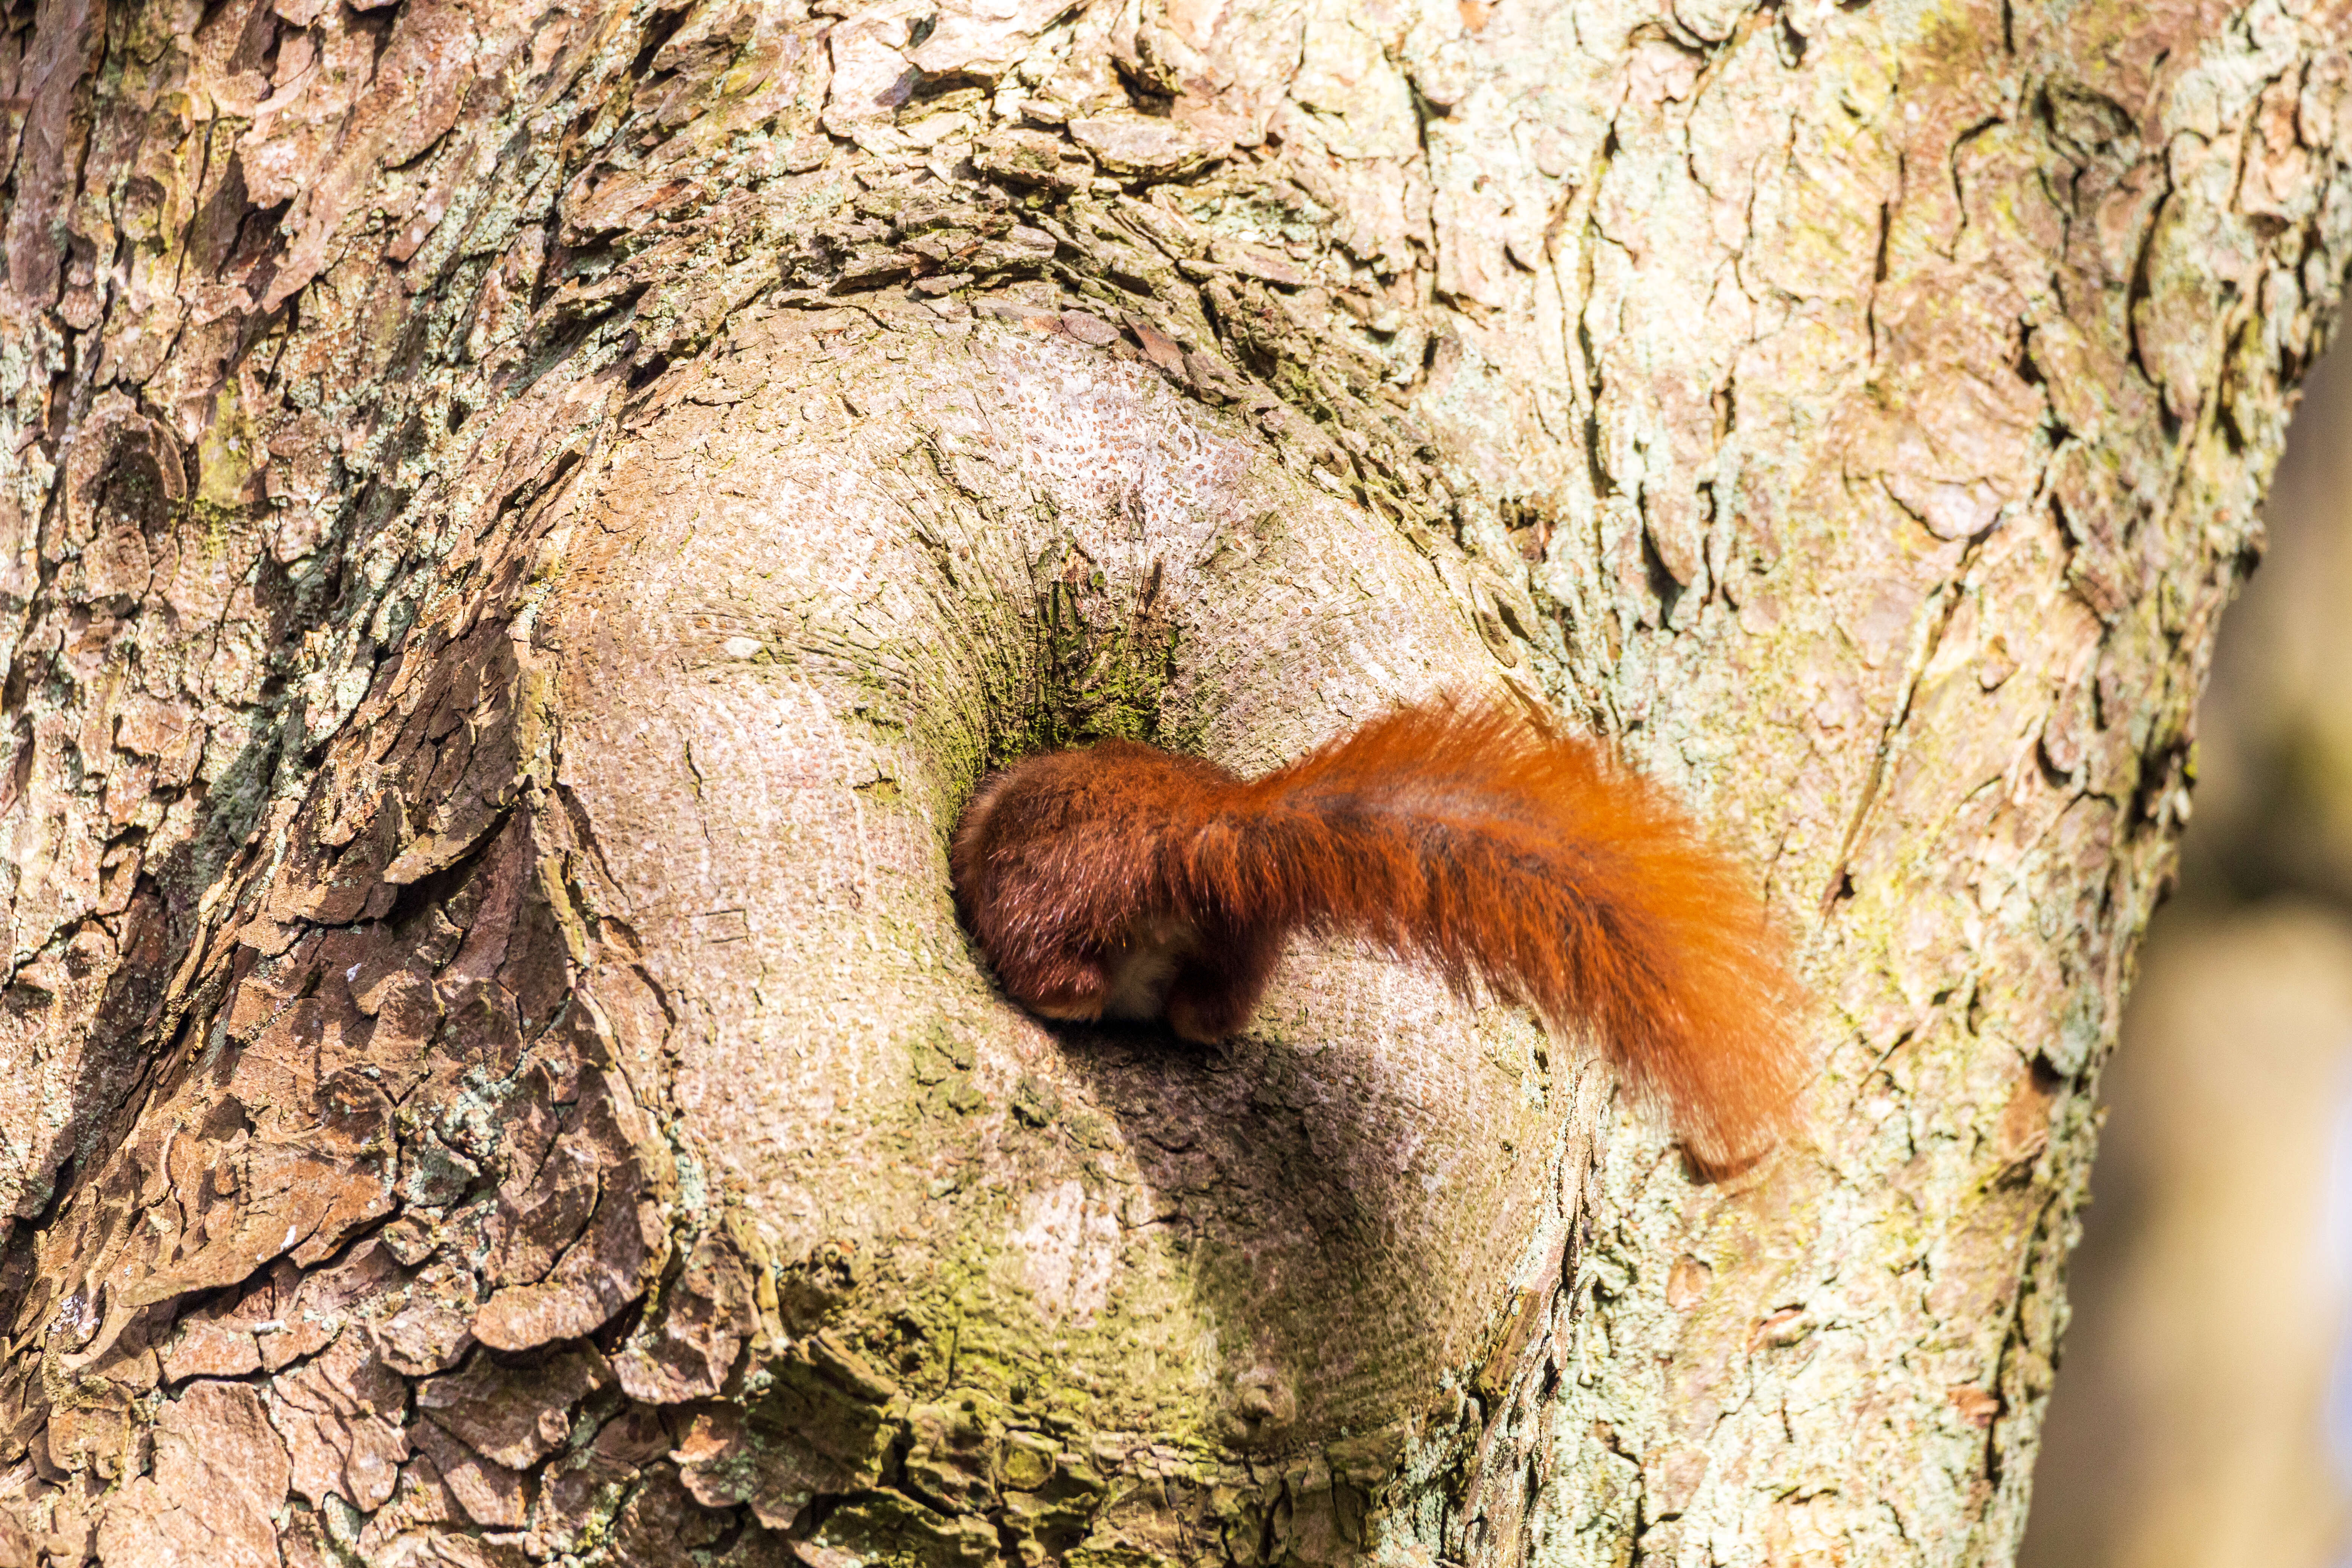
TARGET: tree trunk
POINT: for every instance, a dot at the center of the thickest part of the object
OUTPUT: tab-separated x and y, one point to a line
526	521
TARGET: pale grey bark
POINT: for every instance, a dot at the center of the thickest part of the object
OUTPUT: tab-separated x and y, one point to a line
525	520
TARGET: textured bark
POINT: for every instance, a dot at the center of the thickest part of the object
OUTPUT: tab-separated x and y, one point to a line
526	519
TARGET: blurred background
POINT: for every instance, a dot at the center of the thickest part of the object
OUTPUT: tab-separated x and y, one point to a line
2202	1415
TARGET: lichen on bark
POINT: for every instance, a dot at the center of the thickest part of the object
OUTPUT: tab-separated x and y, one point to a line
525	520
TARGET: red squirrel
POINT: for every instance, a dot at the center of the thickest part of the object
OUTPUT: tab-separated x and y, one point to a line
1121	882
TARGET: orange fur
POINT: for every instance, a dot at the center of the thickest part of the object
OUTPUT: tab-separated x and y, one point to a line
1122	879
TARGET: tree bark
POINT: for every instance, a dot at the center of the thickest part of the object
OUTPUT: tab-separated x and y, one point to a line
527	520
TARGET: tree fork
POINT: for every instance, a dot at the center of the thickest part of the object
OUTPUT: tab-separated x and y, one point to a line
526	521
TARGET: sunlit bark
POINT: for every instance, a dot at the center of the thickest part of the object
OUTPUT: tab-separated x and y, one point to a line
525	522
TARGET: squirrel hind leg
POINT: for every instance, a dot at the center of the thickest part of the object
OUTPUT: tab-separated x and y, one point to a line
1074	1006
1070	989
1220	983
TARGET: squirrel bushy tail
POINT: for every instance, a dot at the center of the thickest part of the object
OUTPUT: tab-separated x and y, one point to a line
1120	880
1461	835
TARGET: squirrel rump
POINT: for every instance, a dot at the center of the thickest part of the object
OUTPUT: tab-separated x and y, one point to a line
1119	881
